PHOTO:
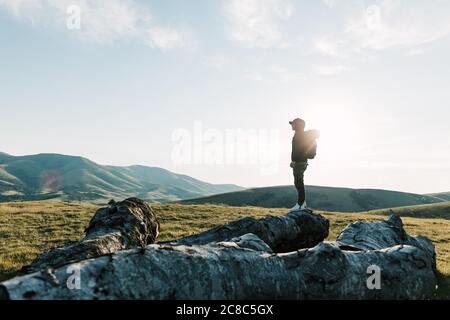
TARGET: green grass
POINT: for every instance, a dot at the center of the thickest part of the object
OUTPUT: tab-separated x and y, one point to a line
29	228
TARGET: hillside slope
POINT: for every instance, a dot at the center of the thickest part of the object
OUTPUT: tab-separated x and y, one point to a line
48	176
443	195
321	198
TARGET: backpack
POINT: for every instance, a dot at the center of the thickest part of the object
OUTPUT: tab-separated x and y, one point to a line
311	149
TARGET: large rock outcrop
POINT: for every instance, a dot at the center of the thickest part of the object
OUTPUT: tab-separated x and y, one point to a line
229	262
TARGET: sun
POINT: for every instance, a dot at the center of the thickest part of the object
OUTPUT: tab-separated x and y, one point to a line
339	132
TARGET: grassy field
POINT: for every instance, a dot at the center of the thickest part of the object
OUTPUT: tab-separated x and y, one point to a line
29	228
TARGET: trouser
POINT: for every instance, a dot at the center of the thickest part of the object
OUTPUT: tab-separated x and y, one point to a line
299	169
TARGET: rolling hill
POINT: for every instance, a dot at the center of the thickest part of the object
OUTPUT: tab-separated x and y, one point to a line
321	198
443	195
50	176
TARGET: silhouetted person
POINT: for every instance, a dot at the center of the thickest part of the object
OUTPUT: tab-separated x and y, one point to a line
304	147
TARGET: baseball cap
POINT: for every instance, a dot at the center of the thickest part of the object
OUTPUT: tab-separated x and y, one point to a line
297	120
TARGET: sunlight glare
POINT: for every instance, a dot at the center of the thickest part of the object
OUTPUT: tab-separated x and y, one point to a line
339	132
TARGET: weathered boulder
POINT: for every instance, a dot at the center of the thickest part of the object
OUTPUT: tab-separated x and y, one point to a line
122	225
295	230
362	235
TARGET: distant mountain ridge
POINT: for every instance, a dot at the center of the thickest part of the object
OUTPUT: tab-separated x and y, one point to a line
48	176
321	198
55	176
442	195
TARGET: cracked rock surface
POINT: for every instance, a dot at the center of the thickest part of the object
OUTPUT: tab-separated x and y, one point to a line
246	259
295	230
121	225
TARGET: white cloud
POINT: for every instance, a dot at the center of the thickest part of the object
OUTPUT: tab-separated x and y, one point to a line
329	3
384	24
22	8
103	22
331	70
165	38
395	23
257	23
327	46
285	75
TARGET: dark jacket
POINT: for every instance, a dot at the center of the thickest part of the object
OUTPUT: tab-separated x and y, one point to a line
300	141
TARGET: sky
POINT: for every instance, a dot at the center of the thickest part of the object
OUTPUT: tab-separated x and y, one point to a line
206	88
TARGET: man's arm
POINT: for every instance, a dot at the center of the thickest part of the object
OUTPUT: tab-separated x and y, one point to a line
296	152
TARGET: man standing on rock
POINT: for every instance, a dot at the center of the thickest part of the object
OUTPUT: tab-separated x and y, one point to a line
304	147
